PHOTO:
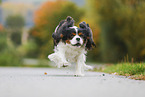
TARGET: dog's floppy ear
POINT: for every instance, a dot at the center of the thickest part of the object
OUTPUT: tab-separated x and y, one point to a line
89	36
69	22
62	29
83	25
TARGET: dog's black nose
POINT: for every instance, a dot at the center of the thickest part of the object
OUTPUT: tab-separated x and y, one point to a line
78	39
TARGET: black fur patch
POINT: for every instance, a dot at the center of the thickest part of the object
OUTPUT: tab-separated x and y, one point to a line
63	29
88	36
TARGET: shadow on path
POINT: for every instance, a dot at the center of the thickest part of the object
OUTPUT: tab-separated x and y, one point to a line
57	75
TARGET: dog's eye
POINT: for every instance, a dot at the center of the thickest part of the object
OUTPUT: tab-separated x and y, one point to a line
73	34
80	34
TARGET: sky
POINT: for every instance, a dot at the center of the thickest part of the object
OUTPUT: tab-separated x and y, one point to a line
24	0
78	2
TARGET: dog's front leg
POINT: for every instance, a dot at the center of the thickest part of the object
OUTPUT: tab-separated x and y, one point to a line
79	66
63	62
59	58
79	69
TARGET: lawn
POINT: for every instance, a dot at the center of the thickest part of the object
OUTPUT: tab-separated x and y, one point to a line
133	70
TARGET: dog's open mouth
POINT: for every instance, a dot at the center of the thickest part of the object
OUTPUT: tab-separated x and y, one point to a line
78	44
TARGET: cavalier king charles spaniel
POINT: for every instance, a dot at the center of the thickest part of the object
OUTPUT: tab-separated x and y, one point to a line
71	45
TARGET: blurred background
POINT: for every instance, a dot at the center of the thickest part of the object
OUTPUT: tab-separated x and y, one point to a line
26	27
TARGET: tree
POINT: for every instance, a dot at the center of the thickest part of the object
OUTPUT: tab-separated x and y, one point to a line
14	25
8	55
122	28
15	22
92	19
47	17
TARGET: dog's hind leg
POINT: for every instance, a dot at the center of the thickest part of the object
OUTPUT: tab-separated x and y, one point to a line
87	67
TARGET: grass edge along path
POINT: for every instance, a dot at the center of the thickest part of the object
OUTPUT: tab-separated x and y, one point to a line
133	70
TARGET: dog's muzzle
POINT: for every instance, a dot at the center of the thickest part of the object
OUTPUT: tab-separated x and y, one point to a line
78	44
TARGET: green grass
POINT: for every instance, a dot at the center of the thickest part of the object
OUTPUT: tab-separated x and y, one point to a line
135	70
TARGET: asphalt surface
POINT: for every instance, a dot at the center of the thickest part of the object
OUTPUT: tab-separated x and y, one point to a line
32	82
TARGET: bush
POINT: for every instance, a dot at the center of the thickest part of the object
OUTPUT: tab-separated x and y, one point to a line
16	38
28	50
3	43
8	55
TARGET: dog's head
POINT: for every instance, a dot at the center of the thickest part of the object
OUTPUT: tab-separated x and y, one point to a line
74	37
70	34
80	36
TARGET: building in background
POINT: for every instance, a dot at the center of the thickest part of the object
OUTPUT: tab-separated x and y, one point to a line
25	8
20	7
1	20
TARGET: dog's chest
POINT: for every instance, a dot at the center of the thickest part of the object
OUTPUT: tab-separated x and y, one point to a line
72	53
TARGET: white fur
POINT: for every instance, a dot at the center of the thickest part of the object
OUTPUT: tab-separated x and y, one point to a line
65	54
75	27
73	41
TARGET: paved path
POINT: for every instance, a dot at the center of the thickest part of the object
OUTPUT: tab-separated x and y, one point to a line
31	82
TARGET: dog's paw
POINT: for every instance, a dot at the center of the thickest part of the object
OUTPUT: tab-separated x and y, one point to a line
65	64
87	67
50	57
79	74
58	65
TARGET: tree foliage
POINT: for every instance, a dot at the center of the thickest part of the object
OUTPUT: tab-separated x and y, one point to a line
14	26
8	56
122	28
15	22
47	17
91	18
